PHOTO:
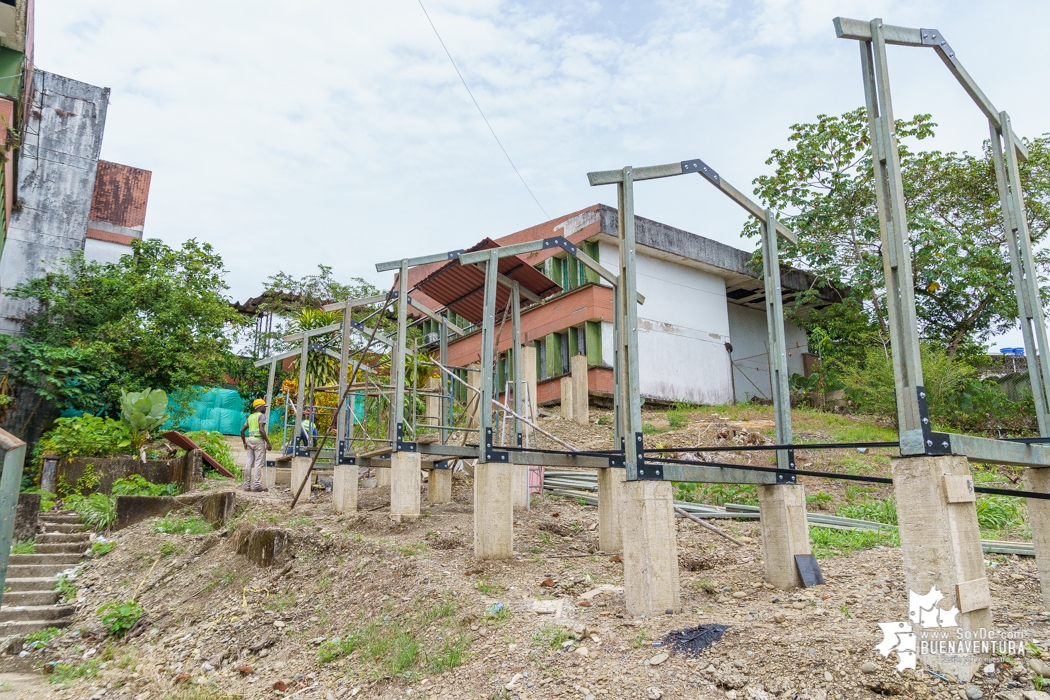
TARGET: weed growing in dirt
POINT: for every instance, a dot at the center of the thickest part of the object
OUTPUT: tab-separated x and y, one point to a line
136	485
488	587
551	636
169	548
879	511
120	617
639	640
677	416
23	547
998	512
279	601
451	653
717	494
497	614
67	590
841	543
411	549
819	499
182	525
333	649
99	549
67	673
42	637
546	539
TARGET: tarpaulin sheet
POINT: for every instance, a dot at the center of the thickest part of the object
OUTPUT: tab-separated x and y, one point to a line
216	409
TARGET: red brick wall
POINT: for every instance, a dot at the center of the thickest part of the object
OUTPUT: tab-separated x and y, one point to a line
599	379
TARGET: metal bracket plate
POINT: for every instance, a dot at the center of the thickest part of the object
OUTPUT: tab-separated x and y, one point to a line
647	471
454	254
343	458
933	37
560	242
493	455
698	166
933	442
300	452
401	445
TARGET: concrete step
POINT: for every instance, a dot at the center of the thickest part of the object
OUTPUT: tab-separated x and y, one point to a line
36	570
27	626
76	548
24	613
36	583
67	560
62	537
21	598
64	517
62	527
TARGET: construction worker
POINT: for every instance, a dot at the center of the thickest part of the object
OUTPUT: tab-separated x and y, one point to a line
256	445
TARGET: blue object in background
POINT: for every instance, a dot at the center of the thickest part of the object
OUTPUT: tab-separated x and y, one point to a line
221	410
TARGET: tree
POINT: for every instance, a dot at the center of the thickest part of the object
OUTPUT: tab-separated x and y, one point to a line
157	319
824	186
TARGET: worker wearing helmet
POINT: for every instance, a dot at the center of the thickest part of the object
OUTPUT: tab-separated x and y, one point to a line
255	445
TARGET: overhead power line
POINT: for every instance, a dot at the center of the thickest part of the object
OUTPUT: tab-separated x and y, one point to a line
480	111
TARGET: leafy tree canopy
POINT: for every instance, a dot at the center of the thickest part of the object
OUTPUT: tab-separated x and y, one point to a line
157	318
824	186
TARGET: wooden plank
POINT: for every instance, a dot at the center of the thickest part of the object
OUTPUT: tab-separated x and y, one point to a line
973	595
959	489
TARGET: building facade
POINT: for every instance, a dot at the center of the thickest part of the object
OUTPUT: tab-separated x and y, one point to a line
701	331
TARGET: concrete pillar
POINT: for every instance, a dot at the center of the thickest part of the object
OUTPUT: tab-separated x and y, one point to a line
580	395
439	486
300	465
382	476
473	399
433	403
405	482
650	548
528	375
610	504
344	488
1039	520
785	532
493	512
568	406
941	547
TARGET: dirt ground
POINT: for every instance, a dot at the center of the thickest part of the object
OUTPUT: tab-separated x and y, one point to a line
369	608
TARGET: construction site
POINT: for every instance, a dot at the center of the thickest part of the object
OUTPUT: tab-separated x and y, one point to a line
548	465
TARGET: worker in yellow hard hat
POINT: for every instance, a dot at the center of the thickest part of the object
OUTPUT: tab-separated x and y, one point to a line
255	445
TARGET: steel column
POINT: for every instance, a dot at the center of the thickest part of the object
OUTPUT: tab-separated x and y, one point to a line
300	412
632	410
446	382
913	421
488	331
777	344
515	357
344	368
397	360
269	388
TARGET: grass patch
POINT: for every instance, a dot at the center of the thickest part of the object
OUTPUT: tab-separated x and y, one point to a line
67	590
488	587
551	636
169	548
411	549
23	547
102	548
42	637
998	512
451	653
67	673
183	525
279	601
717	494
878	511
819	499
828	542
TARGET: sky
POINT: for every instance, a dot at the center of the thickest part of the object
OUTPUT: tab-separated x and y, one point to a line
289	135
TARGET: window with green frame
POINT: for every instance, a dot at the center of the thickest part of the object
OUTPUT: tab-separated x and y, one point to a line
567	271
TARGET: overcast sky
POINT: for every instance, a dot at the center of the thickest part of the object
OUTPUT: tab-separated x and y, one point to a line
292	134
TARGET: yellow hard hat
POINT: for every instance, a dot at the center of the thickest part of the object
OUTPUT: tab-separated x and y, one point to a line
257	403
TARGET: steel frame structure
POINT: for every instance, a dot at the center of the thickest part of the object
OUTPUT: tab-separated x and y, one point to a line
917	436
777	349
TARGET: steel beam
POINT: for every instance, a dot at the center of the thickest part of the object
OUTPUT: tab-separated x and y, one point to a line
715	475
360	301
435	317
398	358
929	38
978	449
413	262
776	341
309	333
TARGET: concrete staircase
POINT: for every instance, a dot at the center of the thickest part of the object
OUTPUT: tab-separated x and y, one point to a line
31	603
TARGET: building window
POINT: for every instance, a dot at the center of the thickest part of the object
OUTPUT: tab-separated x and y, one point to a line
541	359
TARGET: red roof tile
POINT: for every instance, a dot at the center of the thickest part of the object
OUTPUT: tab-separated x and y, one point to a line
120	196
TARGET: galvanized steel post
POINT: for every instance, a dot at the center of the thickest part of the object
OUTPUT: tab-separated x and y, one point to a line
629	389
488	328
778	371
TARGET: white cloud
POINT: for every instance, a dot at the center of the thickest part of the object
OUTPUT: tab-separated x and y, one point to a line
289	134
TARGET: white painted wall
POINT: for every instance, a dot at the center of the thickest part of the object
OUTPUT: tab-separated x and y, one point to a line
682	330
104	251
747	333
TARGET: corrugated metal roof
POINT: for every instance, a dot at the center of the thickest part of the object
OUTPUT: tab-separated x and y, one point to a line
120	195
461	287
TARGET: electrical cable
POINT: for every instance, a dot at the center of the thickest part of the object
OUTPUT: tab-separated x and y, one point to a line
474	100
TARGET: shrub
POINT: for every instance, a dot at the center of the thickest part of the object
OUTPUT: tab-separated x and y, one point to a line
84	436
180	525
143	411
215	444
120	617
97	510
67	590
136	485
879	511
997	512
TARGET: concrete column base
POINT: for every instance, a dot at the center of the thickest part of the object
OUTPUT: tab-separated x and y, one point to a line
610	505
941	547
1039	520
519	485
785	532
493	511
344	488
567	402
382	476
580	390
439	486
650	548
300	465
405	482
